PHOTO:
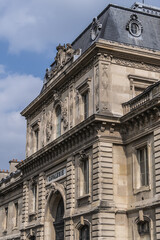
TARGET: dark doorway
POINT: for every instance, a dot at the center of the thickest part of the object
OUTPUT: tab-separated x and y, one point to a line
59	223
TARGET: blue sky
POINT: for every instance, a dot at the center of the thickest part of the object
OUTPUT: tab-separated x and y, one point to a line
29	33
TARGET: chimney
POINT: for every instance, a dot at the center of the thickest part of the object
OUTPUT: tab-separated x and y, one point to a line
3	173
13	164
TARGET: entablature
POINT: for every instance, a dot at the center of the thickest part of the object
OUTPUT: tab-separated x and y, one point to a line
85	132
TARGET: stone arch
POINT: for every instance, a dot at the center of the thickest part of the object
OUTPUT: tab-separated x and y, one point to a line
150	222
80	225
54	195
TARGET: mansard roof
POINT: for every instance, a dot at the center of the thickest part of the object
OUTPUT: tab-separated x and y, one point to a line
114	20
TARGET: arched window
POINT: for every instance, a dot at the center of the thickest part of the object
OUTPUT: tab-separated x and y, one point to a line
84	233
58	121
143	227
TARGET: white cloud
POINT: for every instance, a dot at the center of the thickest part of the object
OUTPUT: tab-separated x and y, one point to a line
36	25
16	92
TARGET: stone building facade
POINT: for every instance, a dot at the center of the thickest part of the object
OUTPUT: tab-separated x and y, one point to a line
92	167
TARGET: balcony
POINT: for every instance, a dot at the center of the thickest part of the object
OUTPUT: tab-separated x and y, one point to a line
149	93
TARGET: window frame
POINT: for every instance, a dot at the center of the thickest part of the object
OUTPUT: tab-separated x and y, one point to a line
83	193
16	214
5	226
84	89
36	129
136	175
33	199
85	97
83	222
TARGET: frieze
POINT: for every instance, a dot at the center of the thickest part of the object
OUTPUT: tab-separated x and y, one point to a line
141	65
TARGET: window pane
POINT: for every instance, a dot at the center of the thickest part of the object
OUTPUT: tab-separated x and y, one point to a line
143	163
86	176
86	105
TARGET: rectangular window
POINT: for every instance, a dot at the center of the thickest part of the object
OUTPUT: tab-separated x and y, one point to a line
6	219
142	156
85	171
16	214
84	176
36	138
34	197
141	171
86	104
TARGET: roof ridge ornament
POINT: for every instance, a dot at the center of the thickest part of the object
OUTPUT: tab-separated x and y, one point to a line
95	28
134	26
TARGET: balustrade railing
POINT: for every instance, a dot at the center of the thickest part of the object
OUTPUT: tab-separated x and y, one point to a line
150	92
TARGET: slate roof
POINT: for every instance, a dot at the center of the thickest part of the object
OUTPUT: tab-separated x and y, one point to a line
114	20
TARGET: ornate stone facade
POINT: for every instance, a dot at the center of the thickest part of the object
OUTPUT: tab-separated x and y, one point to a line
92	166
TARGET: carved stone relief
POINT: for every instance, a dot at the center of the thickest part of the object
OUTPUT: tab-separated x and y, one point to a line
97	87
48	125
77	102
64	108
104	87
71	106
64	54
95	28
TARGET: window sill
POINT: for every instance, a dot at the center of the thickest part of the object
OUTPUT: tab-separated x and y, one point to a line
85	199
142	189
14	228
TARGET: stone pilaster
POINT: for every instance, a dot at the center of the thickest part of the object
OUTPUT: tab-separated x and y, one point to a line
157	159
69	230
25	208
70	197
40	234
103	226
157	177
102	172
41	197
25	203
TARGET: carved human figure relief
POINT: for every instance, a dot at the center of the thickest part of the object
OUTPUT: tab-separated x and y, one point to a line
77	101
43	141
48	125
64	106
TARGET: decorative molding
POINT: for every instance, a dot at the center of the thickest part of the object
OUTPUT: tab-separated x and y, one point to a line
134	64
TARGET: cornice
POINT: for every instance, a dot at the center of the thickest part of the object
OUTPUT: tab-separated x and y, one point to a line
10	186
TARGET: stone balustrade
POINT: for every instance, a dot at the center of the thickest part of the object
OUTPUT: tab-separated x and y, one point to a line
148	94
